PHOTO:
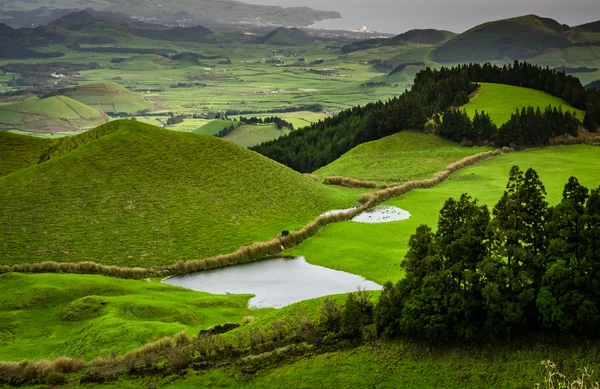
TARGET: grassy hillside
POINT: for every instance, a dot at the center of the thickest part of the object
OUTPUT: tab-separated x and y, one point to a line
401	157
376	250
19	151
108	97
52	114
500	101
50	315
143	196
214	126
517	38
250	135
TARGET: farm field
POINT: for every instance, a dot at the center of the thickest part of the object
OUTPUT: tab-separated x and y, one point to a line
376	250
401	157
143	196
501	101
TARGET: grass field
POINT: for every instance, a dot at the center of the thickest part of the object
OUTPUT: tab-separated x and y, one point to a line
501	101
401	157
143	196
108	97
214	126
20	151
249	135
52	114
50	315
376	250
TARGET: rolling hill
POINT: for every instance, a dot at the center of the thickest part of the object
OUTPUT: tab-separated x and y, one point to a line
401	157
500	101
417	37
107	97
285	36
249	135
517	38
52	114
138	195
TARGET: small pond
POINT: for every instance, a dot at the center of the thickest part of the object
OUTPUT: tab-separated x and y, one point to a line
382	214
274	282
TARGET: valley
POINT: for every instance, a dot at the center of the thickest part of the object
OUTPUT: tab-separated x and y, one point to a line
154	176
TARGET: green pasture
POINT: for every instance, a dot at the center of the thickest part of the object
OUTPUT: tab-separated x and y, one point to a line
501	101
401	157
144	196
375	251
52	114
248	135
50	315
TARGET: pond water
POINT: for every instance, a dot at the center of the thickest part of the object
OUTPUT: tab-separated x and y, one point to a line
274	282
382	214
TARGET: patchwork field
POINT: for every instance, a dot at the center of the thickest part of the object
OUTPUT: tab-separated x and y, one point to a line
376	250
401	157
501	101
143	196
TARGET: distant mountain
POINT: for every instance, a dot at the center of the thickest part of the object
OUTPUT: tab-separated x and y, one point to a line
428	37
17	44
186	34
286	36
517	38
173	13
75	20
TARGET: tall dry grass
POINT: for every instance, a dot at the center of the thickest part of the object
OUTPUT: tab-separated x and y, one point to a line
257	250
29	371
349	182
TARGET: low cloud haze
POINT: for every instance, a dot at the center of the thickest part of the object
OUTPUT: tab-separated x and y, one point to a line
397	16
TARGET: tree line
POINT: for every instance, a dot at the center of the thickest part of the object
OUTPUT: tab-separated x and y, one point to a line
434	92
279	122
523	267
526	127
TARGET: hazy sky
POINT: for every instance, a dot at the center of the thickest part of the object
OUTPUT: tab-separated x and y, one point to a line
397	16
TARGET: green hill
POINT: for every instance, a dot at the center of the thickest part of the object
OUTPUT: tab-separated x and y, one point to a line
214	126
286	36
20	151
517	38
500	101
108	97
139	195
401	157
52	114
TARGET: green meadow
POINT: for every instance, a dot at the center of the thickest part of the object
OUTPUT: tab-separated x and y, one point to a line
401	157
86	316
501	101
20	151
250	135
375	251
